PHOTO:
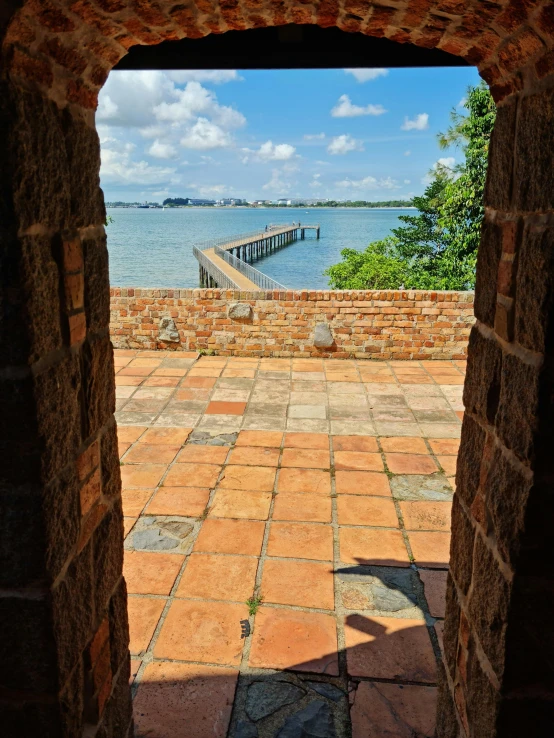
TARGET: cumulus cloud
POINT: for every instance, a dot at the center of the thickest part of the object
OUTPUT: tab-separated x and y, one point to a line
407	181
445	161
343	144
407	153
162	150
196	100
269	151
314	136
445	164
215	76
278	184
345	108
365	75
419	123
368	183
205	135
117	166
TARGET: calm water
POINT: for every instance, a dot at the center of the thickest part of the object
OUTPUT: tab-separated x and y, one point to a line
153	248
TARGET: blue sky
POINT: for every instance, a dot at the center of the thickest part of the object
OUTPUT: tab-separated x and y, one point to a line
341	134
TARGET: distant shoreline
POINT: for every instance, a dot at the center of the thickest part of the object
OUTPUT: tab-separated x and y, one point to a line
262	207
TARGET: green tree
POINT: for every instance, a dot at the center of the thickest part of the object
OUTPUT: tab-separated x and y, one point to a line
437	248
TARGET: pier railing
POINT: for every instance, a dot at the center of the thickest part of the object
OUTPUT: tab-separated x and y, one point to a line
223	280
260	279
241	238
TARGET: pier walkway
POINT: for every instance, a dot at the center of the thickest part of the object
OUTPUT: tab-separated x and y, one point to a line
223	262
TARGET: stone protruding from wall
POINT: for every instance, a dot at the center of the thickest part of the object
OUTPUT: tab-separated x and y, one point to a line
168	332
380	324
323	338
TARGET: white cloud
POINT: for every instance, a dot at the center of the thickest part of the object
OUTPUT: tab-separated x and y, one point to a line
407	153
162	150
343	144
269	151
196	100
365	75
117	166
445	164
345	108
277	184
323	163
205	135
445	161
462	102
407	181
419	123
314	136
368	183
216	76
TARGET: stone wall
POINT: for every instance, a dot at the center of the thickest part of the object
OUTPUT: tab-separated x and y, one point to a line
383	324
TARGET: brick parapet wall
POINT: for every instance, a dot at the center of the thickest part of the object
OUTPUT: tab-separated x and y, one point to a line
381	324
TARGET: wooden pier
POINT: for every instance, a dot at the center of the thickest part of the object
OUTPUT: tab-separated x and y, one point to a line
225	263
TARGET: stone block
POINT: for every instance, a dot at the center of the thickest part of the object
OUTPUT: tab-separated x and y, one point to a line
482	384
451	626
98	384
488	614
533	181
108	557
488	260
447	722
111	472
461	547
323	338
167	331
27	645
498	187
240	311
534	309
482	700
517	420
73	611
61	519
470	455
119	626
97	285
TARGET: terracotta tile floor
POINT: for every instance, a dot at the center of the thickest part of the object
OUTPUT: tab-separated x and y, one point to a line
318	490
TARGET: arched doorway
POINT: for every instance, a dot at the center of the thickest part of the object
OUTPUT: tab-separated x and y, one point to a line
65	598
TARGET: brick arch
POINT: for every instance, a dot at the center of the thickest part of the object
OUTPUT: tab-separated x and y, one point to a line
62	594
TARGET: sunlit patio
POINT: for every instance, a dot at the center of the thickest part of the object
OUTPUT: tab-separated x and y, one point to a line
319	492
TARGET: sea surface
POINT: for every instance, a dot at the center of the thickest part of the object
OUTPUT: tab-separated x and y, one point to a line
153	248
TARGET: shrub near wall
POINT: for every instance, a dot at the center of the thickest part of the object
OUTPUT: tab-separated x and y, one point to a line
364	324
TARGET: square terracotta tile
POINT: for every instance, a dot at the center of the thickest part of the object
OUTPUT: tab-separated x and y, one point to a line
444	446
426	515
205	372
122	448
128	524
431	550
373	546
150	362
448	464
312	481
404	445
216	577
144	613
130	433
142	475
143	453
238	503
192	475
434	583
161	382
135	371
218	407
239	372
318	441
305	459
389	648
199	382
301	541
366	510
173	695
203	454
128	381
381	709
255	456
365	444
378	379
208	632
270	439
362	483
190	502
166	436
305	584
258	478
231	537
302	507
358	460
291	639
150	573
134	501
411	464
170	371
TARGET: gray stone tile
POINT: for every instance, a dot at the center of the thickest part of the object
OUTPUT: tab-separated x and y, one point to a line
307	425
315	412
178	420
397	429
387	401
308	398
309	376
352	428
124	391
417	390
153	393
345	388
441	430
336	412
421	487
392	415
225	423
270	409
234	383
144	406
379	388
435	416
132	418
275	398
191	407
261	422
299	386
231	395
348	401
427	402
177	363
120	403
